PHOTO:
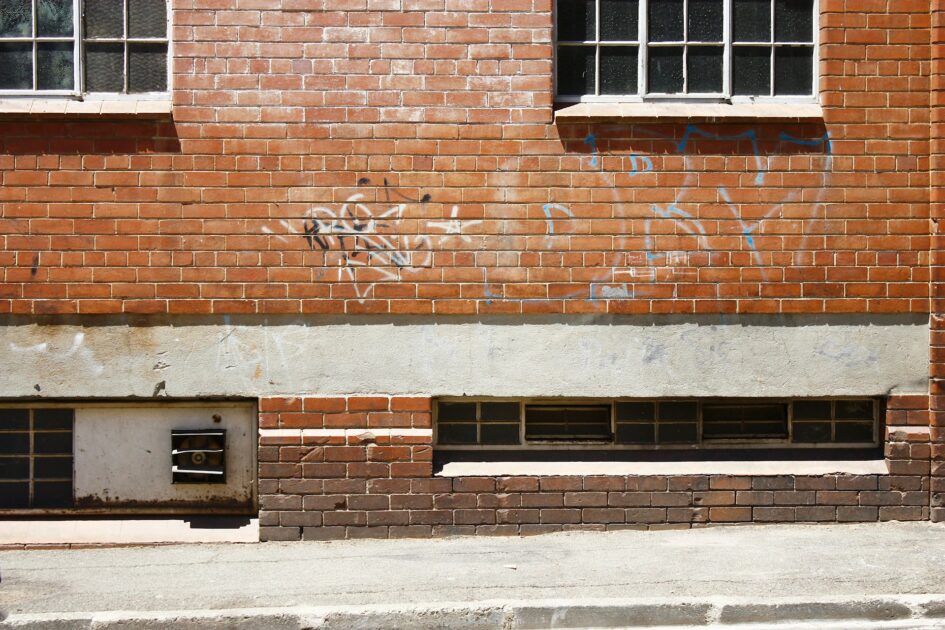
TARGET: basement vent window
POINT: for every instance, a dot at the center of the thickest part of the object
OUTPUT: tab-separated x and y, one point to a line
198	456
36	458
657	424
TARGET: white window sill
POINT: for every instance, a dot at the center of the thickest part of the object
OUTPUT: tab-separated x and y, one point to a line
694	467
702	111
65	108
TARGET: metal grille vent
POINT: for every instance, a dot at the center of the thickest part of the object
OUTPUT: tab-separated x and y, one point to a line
198	456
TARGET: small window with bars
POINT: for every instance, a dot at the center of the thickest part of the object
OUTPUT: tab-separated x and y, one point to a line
715	49
660	423
71	47
36	458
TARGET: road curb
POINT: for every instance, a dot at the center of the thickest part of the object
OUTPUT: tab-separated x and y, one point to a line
895	611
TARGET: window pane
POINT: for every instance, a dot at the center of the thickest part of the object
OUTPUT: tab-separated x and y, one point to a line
793	70
54	66
147	18
678	411
576	70
854	432
52	468
105	68
104	18
635	411
855	409
456	411
637	433
578	422
14	419
14	468
752	20
15	443
812	410
705	69
666	70
147	68
52	443
52	419
619	20
678	433
54	18
618	70
499	412
665	21
16	66
16	18
14	495
499	434
456	433
52	494
794	20
705	20
751	72
576	20
744	420
811	432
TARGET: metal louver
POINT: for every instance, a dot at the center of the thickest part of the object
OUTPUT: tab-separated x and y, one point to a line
198	456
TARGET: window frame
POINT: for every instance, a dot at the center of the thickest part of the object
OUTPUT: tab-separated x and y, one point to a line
725	97
702	444
79	92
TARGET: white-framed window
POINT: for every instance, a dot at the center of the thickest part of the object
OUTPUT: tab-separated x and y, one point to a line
714	50
79	47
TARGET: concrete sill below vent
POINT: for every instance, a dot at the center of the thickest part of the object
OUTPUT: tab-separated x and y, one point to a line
732	468
700	111
68	109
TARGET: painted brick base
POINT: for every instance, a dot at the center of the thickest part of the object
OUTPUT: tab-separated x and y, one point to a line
362	467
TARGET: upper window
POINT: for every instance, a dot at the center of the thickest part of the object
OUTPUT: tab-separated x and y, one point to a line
712	49
72	47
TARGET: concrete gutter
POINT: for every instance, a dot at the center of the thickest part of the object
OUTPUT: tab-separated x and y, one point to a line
875	612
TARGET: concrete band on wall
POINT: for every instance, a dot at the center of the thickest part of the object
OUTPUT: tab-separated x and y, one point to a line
560	356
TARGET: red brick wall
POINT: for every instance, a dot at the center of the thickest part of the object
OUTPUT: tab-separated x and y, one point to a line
363	484
937	208
291	115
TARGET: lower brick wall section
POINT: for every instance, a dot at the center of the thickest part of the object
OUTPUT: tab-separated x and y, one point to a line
362	467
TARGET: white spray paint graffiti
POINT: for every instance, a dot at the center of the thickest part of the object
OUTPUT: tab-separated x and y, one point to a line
50	353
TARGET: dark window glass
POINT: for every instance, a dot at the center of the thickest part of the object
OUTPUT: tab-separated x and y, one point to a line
499	412
54	18
678	410
15	443
619	20
752	20
794	20
16	18
52	419
811	410
104	18
576	20
52	494
456	433
52	468
748	420
14	468
705	69
14	419
811	432
147	68
793	70
636	433
456	411
54	66
854	409
52	443
147	18
14	495
751	70
678	433
563	423
665	21
666	70
16	66
705	21
635	411
499	434
854	432
576	70
618	70
104	68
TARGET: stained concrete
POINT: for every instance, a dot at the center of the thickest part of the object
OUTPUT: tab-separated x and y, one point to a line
562	356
